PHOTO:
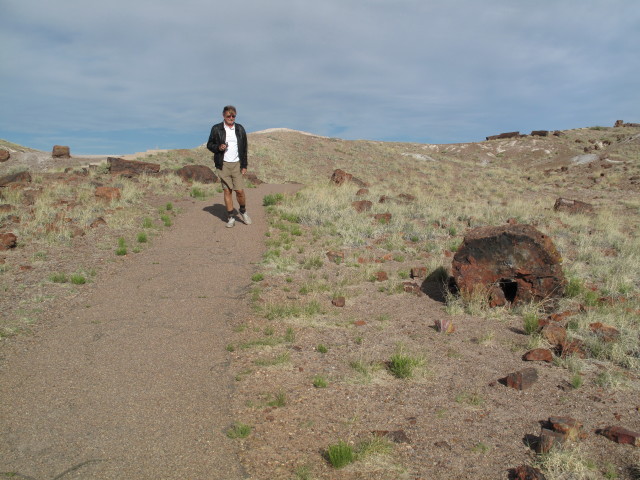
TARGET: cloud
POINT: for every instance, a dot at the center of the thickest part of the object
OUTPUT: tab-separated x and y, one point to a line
377	69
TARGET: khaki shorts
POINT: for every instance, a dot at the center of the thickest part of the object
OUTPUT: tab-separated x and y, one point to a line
231	176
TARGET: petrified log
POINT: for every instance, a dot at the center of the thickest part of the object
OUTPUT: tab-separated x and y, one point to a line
4	155
504	135
129	168
572	206
519	259
21	178
60	151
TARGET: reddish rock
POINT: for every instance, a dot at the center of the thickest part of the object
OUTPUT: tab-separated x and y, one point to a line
5	208
98	222
496	297
418	272
567	426
108	193
381	276
335	257
61	151
396	436
252	178
411	287
549	439
606	332
540	133
384	199
444	325
538	355
572	206
526	472
338	301
4	155
129	168
554	334
522	261
522	379
362	191
574	347
197	173
7	241
339	177
382	217
621	435
407	197
362	205
359	323
20	178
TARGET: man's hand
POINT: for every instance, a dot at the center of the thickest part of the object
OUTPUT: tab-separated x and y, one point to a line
223	147
244	171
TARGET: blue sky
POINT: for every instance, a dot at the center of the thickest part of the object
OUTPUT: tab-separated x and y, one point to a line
112	77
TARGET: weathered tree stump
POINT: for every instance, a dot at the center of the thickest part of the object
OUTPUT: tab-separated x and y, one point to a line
516	259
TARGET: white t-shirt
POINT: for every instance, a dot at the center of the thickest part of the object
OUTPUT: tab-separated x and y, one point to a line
231	153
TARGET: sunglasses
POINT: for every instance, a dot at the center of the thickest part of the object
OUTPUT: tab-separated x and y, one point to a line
229	116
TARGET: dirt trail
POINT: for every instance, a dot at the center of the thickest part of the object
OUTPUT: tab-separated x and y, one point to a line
130	378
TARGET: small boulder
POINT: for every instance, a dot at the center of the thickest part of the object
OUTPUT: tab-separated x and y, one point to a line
4	155
7	241
526	472
382	217
362	205
554	334
522	379
61	151
381	276
418	272
339	177
338	301
197	173
538	355
335	256
519	259
621	435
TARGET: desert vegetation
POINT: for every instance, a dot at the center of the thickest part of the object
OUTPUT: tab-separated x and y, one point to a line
359	361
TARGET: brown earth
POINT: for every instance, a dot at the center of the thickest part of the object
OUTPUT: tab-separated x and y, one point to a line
129	378
143	369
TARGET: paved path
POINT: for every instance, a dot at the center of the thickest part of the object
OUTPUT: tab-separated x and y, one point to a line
130	381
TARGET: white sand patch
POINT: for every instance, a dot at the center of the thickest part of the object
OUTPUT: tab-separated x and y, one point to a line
419	156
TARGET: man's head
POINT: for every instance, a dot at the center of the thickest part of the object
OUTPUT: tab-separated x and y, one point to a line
229	115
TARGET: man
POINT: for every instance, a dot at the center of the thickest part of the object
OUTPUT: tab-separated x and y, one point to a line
228	142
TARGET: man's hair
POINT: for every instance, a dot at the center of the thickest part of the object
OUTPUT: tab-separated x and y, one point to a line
229	108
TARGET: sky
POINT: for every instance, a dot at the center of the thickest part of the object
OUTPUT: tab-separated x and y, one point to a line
124	76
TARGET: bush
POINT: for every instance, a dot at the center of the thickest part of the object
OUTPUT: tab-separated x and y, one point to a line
340	454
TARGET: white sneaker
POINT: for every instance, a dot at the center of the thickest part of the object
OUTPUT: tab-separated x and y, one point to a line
231	222
245	218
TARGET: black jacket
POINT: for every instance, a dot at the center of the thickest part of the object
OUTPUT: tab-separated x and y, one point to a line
218	137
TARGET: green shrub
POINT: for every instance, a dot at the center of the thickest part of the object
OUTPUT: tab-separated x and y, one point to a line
239	430
142	237
340	454
58	278
78	279
402	365
272	199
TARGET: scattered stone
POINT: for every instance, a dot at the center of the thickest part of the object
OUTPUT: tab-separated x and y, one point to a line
573	348
252	178
549	439
362	191
621	435
572	206
540	133
339	177
197	173
606	332
20	178
522	379
338	301
538	355
411	287
381	276
7	241
335	257
496	297
5	208
526	472
98	222
442	444
554	334
61	151
359	323
567	426
108	193
407	197
130	168
4	155
362	205
519	259
382	217
418	272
